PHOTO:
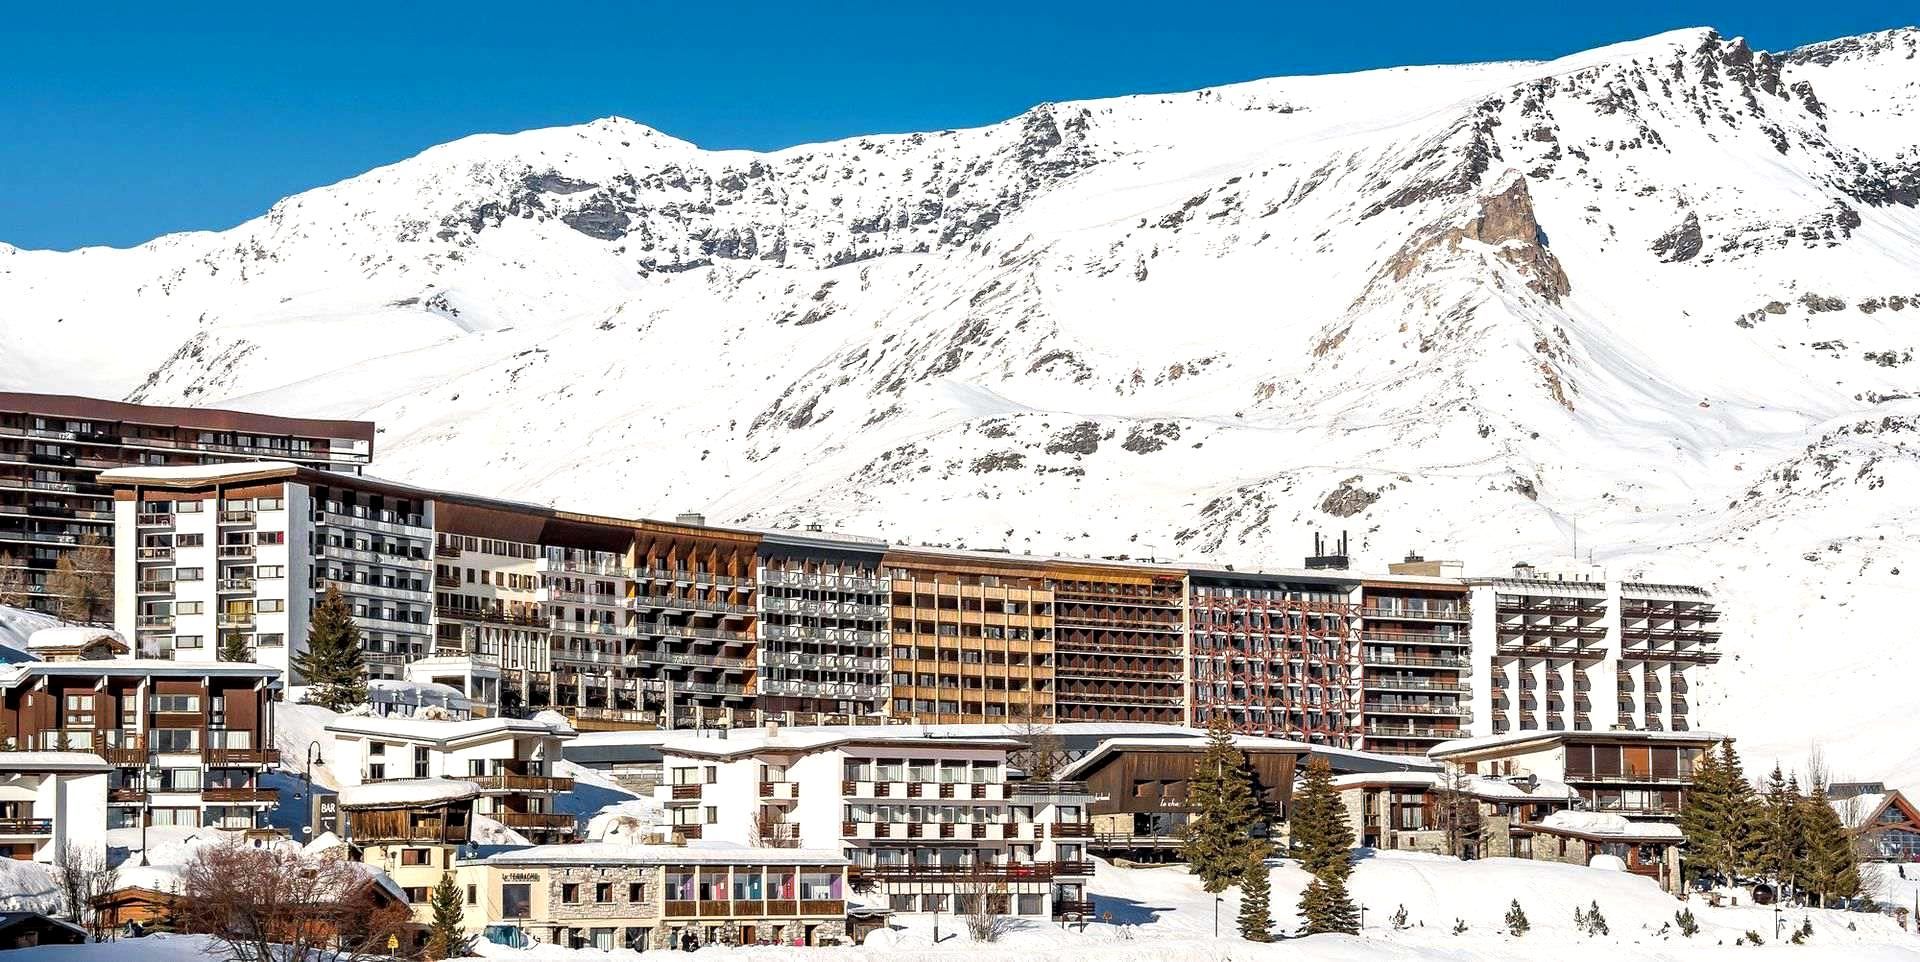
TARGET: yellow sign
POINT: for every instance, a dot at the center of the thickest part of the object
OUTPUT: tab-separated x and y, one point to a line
393	942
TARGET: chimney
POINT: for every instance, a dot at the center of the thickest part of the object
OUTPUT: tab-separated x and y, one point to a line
814	526
773	728
690	517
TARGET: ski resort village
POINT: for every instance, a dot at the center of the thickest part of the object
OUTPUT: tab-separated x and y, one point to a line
1428	514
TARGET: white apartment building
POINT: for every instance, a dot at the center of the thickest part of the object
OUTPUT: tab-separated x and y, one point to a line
510	759
246	551
927	823
53	801
1566	649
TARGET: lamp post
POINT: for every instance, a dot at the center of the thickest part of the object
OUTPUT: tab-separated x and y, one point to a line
149	778
1776	915
1216	916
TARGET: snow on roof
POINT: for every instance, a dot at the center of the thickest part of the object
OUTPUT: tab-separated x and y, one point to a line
752	740
72	636
1255	743
408	791
1461	746
1858	810
323	842
162	474
1479	786
1608	823
12	675
701	853
441	731
52	762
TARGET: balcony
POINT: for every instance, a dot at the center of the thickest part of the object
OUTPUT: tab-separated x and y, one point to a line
238	552
1070	830
540	821
235	619
239	795
229	586
1070	908
241	756
968	873
157	519
155	587
26	826
236	517
1038	789
154	553
520	783
780	791
153	622
683	793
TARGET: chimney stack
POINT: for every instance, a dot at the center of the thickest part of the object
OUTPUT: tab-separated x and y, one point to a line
690	517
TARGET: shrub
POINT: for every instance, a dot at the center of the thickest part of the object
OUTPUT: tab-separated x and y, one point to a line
1596	923
1517	924
1685	922
1399	919
1459	925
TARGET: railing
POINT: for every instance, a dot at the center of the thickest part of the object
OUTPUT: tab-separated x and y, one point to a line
236	551
239	795
536	820
1378	659
1071	830
154	519
125	795
1462	613
521	783
26	826
493	616
241	756
1034	870
236	517
236	584
1063	908
152	622
685	792
154	553
689	831
155	587
235	620
1035	789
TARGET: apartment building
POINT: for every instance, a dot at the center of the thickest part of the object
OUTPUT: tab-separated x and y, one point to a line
53	448
1643	775
1138	788
244	552
929	824
616	896
1275	655
52	802
509	761
825	624
1119	643
1565	649
185	743
972	638
1415	646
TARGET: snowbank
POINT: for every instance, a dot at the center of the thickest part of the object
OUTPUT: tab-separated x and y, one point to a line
407	791
632	822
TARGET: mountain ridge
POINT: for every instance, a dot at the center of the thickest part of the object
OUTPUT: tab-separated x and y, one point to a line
1661	291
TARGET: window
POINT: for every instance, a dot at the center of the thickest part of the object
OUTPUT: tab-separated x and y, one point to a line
473	894
603	892
175	739
570	893
270	571
269	504
516	900
190	608
176	703
270	537
416	856
189	540
417	896
1031	905
189	574
186	641
79	711
271	604
420	759
270	639
636	892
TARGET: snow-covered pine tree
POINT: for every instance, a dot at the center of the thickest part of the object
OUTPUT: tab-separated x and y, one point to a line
1719	818
1256	893
1325	906
333	663
233	647
1222	813
1323	842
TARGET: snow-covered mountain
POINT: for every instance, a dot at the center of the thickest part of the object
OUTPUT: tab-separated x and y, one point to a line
1665	293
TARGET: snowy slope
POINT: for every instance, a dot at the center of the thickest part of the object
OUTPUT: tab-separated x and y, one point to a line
1665	291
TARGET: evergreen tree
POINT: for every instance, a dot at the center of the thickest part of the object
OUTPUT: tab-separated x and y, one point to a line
1833	859
1517	924
233	647
1720	819
1323	842
333	663
1783	834
1325	906
1256	891
1222	813
443	931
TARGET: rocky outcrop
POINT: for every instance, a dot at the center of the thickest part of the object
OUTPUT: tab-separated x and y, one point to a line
1681	243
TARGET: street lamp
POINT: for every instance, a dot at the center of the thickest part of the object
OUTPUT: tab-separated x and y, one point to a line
1216	916
149	779
313	756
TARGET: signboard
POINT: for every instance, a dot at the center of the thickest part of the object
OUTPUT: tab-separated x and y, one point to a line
326	814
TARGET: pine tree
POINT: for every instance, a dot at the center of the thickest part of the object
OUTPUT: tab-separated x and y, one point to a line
1323	842
1256	892
1833	859
233	647
1322	835
1517	924
443	931
1222	813
333	663
1720	819
1783	834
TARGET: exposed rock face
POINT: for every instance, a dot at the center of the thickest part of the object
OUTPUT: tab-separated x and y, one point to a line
1681	243
1506	221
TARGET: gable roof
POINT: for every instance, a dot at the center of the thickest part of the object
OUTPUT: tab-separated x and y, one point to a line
1860	812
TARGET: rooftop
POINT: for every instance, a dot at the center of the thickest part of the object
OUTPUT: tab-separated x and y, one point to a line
407	792
693	853
1466	746
442	731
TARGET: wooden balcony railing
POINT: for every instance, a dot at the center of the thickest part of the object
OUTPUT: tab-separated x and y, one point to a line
536	820
241	756
684	792
239	795
508	782
26	826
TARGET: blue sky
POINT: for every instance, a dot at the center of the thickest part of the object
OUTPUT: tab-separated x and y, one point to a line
122	121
